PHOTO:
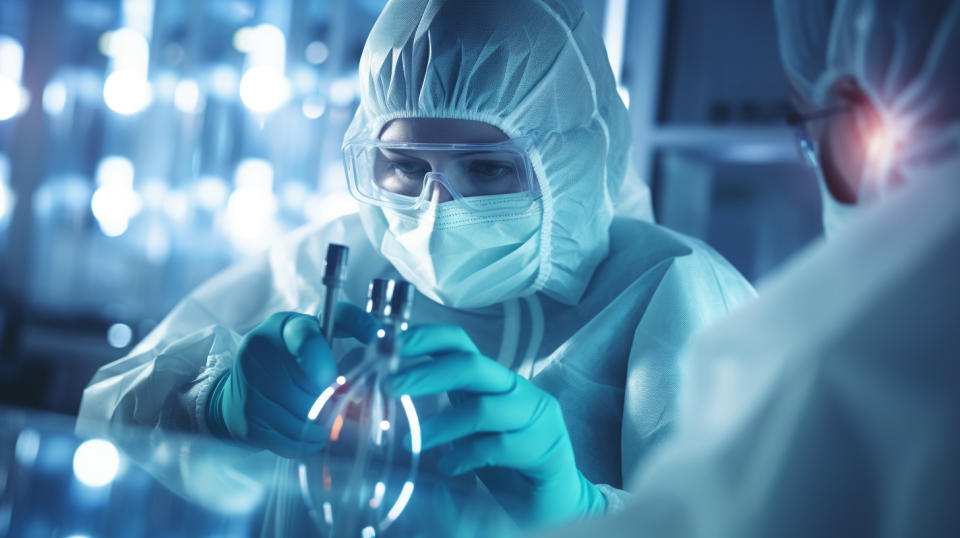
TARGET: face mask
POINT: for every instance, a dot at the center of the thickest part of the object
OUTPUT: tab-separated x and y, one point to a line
461	257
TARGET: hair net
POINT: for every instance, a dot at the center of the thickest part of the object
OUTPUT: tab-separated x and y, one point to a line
904	55
532	68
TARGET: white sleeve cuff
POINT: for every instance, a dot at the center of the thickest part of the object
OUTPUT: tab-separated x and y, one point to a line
617	499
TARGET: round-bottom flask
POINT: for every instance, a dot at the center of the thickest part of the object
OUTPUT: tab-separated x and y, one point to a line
364	478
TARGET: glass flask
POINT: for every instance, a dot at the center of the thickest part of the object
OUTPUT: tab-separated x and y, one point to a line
362	480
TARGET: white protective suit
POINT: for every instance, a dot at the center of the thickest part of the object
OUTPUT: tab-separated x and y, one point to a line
603	329
830	405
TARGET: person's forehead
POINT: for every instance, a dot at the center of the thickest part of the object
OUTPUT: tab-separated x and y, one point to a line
441	131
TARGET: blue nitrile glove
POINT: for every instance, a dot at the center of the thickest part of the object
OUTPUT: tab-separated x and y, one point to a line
501	425
281	368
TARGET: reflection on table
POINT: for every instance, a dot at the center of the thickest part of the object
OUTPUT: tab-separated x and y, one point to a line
54	482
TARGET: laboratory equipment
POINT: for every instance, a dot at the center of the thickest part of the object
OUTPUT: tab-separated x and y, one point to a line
362	480
334	273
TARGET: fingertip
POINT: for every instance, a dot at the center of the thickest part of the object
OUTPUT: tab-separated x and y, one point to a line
353	321
300	331
305	342
430	338
317	363
411	341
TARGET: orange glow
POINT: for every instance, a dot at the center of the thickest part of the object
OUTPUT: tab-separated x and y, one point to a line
880	143
327	480
337	424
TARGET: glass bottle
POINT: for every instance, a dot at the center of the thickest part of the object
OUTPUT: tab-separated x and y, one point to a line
362	480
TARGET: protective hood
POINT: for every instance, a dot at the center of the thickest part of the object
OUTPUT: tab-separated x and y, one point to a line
535	69
903	55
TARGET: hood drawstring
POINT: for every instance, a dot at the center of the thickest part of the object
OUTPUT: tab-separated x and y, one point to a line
536	336
510	342
511	333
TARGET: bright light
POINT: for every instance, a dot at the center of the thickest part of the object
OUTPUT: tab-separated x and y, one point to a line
11	98
176	205
7	200
624	95
11	58
405	492
314	107
254	174
317	52
96	462
27	447
115	170
320	402
251	207
342	91
264	39
210	192
881	144
223	81
378	492
119	335
268	47
250	217
244	39
128	48
127	92
414	422
54	97
328	207
368	532
263	89
115	202
111	224
104	43
187	96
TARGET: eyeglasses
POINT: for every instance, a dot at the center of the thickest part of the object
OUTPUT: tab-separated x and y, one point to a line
806	145
402	175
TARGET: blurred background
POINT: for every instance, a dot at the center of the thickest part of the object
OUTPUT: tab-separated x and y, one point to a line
147	144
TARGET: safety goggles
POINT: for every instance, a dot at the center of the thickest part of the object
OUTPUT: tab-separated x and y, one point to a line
407	176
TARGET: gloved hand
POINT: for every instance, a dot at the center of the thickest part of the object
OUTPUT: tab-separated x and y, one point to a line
281	367
501	425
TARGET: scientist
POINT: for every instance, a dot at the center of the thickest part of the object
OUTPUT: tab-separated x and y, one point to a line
830	406
488	154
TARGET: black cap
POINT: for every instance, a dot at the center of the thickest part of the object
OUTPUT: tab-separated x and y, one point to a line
378	296
335	264
401	302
